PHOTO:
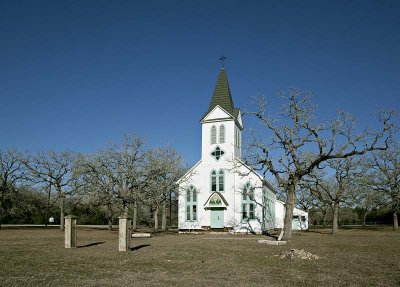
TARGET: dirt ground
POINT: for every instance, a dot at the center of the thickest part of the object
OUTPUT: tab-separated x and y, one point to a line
37	257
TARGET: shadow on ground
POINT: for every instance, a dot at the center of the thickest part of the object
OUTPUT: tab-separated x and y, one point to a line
139	247
91	244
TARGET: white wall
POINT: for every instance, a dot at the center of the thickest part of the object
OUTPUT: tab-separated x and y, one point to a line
234	183
219	117
280	215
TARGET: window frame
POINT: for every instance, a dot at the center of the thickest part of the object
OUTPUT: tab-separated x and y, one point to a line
248	203
213	135
221	134
191	204
217	179
217	153
221	181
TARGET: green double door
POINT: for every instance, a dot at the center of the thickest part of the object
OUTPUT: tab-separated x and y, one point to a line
217	218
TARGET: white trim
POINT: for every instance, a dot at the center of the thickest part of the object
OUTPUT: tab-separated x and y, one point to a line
188	172
224	203
217	106
264	181
239	120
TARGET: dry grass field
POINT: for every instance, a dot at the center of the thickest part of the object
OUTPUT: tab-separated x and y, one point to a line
36	257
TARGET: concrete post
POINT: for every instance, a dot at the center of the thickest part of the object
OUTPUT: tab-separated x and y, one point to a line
124	233
70	231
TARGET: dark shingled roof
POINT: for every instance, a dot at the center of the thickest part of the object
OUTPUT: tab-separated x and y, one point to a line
222	96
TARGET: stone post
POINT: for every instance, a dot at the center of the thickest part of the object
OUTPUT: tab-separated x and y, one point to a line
124	233
70	231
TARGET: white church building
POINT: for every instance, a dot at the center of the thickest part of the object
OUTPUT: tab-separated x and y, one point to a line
220	191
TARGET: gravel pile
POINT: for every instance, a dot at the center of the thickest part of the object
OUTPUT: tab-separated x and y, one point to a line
296	253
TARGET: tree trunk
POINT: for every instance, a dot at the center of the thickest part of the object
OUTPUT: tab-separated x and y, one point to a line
287	228
335	226
164	216
61	211
365	218
395	221
156	219
46	220
110	216
1	211
134	215
324	219
1	205
170	209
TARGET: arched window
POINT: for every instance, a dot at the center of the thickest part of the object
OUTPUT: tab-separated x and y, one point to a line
221	134
217	181
213	135
213	181
191	204
248	202
221	180
237	137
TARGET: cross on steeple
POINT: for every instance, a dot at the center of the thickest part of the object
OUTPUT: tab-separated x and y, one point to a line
222	59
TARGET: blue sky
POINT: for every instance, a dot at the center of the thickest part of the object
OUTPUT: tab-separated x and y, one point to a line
77	74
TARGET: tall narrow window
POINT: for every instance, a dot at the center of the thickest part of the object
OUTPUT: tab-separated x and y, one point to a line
217	181
213	181
248	206
213	135
221	180
191	204
235	137
244	211
221	134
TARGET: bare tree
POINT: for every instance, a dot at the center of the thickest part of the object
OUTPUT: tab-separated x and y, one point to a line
364	196
335	190
114	177
385	178
298	133
164	168
368	200
305	199
322	207
96	185
54	169
11	173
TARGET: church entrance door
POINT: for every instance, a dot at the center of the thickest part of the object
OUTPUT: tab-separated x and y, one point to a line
217	218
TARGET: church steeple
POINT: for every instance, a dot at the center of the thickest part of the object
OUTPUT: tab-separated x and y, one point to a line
222	96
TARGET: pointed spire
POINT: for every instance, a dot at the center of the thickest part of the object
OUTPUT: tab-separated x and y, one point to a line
222	97
222	94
